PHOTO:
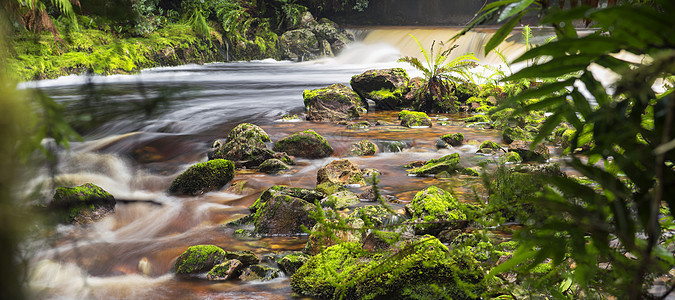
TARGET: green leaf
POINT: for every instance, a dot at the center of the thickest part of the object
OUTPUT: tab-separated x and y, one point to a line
514	8
496	4
545	104
556	16
544	90
503	32
589	45
556	67
522	254
547	127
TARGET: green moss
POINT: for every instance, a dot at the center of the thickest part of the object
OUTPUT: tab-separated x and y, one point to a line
469	172
433	205
477	119
329	188
453	139
305	194
341	200
249	134
363	148
292	262
198	259
489	145
448	163
510	157
203	177
414	119
307	144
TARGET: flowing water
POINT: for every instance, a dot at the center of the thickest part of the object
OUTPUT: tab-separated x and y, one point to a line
144	129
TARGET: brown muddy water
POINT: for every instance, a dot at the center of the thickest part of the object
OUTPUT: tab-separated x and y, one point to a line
141	131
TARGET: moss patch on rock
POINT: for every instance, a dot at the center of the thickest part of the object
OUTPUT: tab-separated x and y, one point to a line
308	144
414	119
203	177
82	204
453	139
448	163
434	209
363	148
198	259
341	172
334	103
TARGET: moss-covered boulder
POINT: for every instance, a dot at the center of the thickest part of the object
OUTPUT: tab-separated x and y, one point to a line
283	214
363	148
387	87
82	204
393	275
308	144
510	157
341	200
434	209
260	272
414	119
334	103
329	31
477	119
245	147
448	163
510	134
290	263
489	147
198	259
329	188
203	177
228	270
340	171
453	139
273	166
246	257
278	190
539	153
299	45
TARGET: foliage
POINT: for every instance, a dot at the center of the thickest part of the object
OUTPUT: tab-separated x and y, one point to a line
440	75
614	222
33	15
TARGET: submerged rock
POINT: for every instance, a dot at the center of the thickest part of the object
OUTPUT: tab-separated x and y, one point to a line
414	119
198	259
387	87
333	103
203	177
82	204
342	172
308	144
434	209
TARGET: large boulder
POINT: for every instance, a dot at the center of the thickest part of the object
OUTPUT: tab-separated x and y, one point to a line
82	204
299	44
333	103
342	172
283	214
415	265
203	177
198	259
245	146
308	144
329	31
414	119
434	209
387	87
540	152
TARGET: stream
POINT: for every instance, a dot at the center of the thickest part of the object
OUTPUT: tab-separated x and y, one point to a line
143	130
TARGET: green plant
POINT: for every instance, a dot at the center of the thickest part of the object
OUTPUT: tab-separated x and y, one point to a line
609	230
440	75
33	15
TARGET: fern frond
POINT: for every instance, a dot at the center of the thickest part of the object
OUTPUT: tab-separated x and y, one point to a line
415	63
424	51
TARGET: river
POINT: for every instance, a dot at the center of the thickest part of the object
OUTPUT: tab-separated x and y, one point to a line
143	130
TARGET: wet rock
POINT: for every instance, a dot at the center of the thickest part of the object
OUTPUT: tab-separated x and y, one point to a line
198	259
426	261
308	144
540	152
448	163
245	147
246	257
290	263
549	169
510	134
414	119
230	269
368	194
290	118
307	195
477	119
246	235
440	144
363	148
433	210
359	125
203	177
330	188
489	147
415	89
299	45
510	157
342	172
283	214
394	146
337	37
387	87
273	166
340	200
240	187
333	103
83	204
260	272
453	139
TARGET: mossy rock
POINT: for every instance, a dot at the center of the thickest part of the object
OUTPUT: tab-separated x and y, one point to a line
299	45
341	172
448	163
510	157
510	134
273	166
245	147
539	153
305	194
453	139
82	204
341	200
246	257
434	209
477	119
248	133
377	215
260	272
203	177
308	144
489	147
333	103
359	125
290	263
414	119
228	270
393	146
329	188
469	172
363	148
388	276
290	118
387	87
198	259
285	215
